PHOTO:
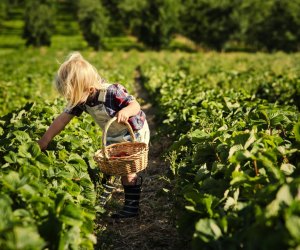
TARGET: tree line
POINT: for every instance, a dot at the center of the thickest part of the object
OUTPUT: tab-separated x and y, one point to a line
268	25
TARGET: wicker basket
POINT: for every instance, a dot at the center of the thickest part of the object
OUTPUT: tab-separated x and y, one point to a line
122	158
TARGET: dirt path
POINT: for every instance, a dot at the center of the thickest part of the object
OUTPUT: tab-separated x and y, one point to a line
154	228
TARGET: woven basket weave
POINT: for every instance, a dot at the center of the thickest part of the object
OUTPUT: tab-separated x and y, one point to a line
122	158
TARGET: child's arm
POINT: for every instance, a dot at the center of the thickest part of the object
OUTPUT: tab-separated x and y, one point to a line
131	109
55	128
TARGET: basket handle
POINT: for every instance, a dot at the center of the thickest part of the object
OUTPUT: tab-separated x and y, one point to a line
107	125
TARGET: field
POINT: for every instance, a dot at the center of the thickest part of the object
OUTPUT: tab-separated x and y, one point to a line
231	121
234	123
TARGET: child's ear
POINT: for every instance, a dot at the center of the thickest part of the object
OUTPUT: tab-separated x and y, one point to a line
92	90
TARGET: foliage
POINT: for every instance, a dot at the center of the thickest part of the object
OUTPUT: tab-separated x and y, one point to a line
209	23
47	198
272	25
251	25
235	125
116	26
93	21
3	10
39	22
234	157
27	75
153	22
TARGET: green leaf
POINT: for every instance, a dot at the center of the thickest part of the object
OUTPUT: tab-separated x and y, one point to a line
23	150
29	170
284	195
63	154
88	189
22	136
230	203
12	181
11	157
27	238
272	209
6	165
272	170
42	158
296	131
278	119
71	215
234	149
207	230
75	190
240	137
251	139
198	136
287	168
231	105
240	156
77	162
22	213
27	191
34	149
192	209
6	212
70	238
293	225
238	178
59	202
265	115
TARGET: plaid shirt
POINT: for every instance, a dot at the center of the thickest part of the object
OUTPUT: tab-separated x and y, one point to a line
117	98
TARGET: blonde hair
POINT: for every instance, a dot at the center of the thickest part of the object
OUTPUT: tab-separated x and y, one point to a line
75	78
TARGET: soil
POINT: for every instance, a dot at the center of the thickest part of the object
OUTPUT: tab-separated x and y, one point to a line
155	227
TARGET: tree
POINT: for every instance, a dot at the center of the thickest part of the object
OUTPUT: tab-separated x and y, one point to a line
93	22
39	22
273	24
3	10
116	26
152	22
208	23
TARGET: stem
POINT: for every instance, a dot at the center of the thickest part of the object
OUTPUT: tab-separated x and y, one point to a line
218	157
255	167
285	159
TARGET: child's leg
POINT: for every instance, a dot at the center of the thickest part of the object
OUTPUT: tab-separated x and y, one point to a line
132	188
132	185
108	186
129	179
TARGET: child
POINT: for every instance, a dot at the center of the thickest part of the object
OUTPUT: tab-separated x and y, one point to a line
79	82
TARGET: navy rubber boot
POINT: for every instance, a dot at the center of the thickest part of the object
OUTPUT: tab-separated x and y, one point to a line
108	188
132	200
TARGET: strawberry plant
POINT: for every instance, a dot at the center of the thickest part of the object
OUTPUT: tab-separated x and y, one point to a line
46	195
234	157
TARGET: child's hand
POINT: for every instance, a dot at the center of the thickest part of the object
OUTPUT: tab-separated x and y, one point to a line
122	116
43	145
132	109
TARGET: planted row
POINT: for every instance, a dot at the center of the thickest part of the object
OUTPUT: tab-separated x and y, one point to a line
234	161
47	198
28	75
